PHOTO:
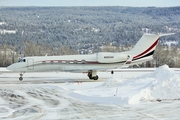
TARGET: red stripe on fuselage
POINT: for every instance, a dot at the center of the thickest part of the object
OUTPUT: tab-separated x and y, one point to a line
152	46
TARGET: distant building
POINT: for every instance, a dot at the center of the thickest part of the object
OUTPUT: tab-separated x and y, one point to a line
3	31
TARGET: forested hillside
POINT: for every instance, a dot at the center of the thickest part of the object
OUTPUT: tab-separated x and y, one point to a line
85	28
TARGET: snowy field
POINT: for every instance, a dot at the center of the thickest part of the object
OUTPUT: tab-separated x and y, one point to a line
151	94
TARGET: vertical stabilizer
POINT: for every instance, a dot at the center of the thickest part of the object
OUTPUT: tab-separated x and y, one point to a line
146	45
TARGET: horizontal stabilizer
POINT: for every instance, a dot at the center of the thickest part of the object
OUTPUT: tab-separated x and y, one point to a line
166	34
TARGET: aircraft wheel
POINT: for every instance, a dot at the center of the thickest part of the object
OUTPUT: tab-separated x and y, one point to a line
90	75
96	77
21	78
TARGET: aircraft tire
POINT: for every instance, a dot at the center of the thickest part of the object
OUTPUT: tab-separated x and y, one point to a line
90	77
96	77
20	78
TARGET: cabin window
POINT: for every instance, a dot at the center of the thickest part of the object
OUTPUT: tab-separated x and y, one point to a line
67	62
19	60
43	62
83	61
75	61
63	62
52	62
22	60
59	61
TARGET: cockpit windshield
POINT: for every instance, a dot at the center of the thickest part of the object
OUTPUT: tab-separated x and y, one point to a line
22	60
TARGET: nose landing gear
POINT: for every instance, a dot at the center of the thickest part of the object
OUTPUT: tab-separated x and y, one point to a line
21	76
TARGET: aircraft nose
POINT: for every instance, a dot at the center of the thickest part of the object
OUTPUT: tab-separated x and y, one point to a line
11	67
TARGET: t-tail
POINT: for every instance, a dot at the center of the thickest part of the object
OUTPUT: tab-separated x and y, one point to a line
144	48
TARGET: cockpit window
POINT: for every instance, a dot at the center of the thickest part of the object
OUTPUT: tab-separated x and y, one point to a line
22	60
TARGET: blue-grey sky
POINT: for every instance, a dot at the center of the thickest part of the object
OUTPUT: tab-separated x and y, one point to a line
134	3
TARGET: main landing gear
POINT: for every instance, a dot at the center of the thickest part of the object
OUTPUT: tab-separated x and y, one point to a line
21	76
92	75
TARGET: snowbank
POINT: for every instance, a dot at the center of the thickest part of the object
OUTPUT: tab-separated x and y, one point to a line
166	84
162	84
113	82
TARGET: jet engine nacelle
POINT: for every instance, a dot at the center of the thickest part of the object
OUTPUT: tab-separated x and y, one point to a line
111	57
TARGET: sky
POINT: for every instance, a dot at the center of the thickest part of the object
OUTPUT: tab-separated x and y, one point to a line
133	3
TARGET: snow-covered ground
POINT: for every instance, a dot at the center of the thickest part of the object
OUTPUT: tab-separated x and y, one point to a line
124	95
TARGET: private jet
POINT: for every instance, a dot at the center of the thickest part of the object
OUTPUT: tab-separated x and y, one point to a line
142	51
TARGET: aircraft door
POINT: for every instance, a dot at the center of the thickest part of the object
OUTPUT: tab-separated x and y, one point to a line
30	64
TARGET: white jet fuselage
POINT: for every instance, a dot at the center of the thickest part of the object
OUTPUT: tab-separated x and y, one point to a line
72	63
141	52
